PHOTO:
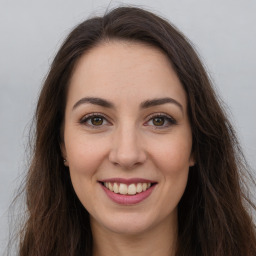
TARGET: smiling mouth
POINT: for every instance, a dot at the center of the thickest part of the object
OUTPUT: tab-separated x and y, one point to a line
127	189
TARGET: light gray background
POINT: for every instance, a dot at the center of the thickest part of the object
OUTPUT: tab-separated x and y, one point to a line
223	32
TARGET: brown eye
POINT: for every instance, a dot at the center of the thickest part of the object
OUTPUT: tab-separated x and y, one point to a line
97	120
158	121
94	121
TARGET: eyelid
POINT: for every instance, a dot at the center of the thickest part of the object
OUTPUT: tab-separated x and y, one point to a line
94	114
169	118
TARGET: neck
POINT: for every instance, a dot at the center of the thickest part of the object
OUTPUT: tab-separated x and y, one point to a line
160	240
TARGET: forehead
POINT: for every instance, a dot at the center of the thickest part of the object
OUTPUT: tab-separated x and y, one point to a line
119	70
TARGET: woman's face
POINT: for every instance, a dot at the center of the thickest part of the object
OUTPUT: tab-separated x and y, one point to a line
127	137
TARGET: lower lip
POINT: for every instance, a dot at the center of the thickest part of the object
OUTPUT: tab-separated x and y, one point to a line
128	199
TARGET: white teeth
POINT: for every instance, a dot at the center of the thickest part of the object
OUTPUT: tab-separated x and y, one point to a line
124	189
115	188
110	187
139	187
131	189
106	184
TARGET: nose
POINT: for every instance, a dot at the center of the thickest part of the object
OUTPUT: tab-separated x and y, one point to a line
127	150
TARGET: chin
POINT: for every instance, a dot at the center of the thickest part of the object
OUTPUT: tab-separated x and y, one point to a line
132	223
129	227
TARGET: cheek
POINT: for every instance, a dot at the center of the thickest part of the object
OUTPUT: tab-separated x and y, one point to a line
173	156
85	158
172	160
84	154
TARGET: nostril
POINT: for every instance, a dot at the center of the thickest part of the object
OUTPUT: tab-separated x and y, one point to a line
127	161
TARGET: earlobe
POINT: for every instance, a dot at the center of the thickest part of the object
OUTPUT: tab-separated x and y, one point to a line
64	153
65	162
192	161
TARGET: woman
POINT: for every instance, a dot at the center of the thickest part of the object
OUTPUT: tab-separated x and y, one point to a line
133	153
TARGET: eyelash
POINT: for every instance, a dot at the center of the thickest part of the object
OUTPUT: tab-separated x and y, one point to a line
89	117
170	120
167	119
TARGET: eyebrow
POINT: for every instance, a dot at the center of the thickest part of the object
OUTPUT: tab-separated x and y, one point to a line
95	101
160	101
145	104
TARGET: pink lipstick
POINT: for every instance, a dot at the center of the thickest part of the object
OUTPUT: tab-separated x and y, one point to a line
128	191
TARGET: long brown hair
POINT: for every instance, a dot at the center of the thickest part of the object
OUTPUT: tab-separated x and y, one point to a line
212	214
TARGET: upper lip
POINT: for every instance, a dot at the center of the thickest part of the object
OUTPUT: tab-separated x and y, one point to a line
128	181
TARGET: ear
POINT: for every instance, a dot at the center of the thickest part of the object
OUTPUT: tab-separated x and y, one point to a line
64	153
192	161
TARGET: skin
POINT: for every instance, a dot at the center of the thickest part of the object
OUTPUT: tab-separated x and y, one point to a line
128	143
